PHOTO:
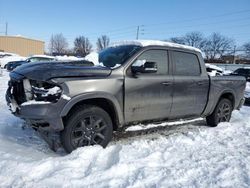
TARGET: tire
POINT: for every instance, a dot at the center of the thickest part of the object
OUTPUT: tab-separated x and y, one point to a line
221	113
86	125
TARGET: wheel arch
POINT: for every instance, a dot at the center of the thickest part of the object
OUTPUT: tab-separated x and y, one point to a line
228	95
103	100
214	99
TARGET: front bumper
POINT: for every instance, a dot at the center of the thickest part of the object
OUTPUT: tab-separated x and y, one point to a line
42	115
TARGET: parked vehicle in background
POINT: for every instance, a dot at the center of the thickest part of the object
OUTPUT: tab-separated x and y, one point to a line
6	54
5	60
35	58
213	70
242	72
137	81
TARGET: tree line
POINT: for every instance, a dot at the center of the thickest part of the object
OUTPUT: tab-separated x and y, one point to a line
214	46
58	45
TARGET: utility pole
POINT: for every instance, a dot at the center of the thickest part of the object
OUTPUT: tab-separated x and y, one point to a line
137	33
234	54
6	28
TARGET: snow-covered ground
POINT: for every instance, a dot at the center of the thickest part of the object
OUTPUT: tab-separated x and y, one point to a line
191	155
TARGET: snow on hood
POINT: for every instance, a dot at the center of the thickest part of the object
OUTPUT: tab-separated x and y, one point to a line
93	57
145	43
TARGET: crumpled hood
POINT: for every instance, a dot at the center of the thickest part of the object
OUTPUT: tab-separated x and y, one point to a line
43	71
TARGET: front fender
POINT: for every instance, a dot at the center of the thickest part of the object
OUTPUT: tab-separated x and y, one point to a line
85	96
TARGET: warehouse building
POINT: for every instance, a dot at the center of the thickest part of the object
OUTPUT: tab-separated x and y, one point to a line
21	45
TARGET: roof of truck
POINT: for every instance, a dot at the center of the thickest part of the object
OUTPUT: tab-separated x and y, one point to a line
145	43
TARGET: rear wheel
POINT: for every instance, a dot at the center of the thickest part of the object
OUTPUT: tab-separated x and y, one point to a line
87	125
221	113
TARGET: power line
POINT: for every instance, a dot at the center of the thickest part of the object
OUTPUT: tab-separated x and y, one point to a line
205	24
200	18
223	28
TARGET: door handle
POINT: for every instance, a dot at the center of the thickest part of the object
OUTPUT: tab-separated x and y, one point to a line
166	83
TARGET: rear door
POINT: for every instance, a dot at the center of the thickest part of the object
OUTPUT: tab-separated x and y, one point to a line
190	85
148	96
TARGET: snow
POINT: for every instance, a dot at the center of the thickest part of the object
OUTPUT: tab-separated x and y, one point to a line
54	90
191	155
145	43
7	54
227	72
213	67
7	59
66	97
148	126
67	58
43	56
93	57
32	102
247	90
50	91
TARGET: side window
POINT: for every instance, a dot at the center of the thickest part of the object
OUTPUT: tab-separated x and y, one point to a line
33	59
186	64
158	56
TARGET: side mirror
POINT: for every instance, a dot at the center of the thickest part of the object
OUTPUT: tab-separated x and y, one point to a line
147	67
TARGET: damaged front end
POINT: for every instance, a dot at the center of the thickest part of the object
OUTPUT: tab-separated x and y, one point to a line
27	92
37	102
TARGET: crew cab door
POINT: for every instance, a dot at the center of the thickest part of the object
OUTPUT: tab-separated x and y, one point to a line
148	96
191	85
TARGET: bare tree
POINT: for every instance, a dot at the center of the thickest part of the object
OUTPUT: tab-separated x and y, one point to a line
195	39
58	44
82	46
216	45
102	42
246	47
178	40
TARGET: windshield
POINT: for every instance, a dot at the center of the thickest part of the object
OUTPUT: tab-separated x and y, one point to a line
114	57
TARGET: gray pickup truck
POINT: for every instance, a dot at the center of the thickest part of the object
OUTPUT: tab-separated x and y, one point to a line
134	81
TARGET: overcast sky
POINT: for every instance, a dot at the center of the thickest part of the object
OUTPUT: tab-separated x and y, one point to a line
158	19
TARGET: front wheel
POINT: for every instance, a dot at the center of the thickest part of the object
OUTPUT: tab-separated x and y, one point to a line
221	113
87	125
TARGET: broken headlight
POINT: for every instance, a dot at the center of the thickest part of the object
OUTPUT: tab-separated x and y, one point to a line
44	91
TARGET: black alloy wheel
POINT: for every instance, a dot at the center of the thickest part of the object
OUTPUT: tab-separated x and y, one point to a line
221	113
86	125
